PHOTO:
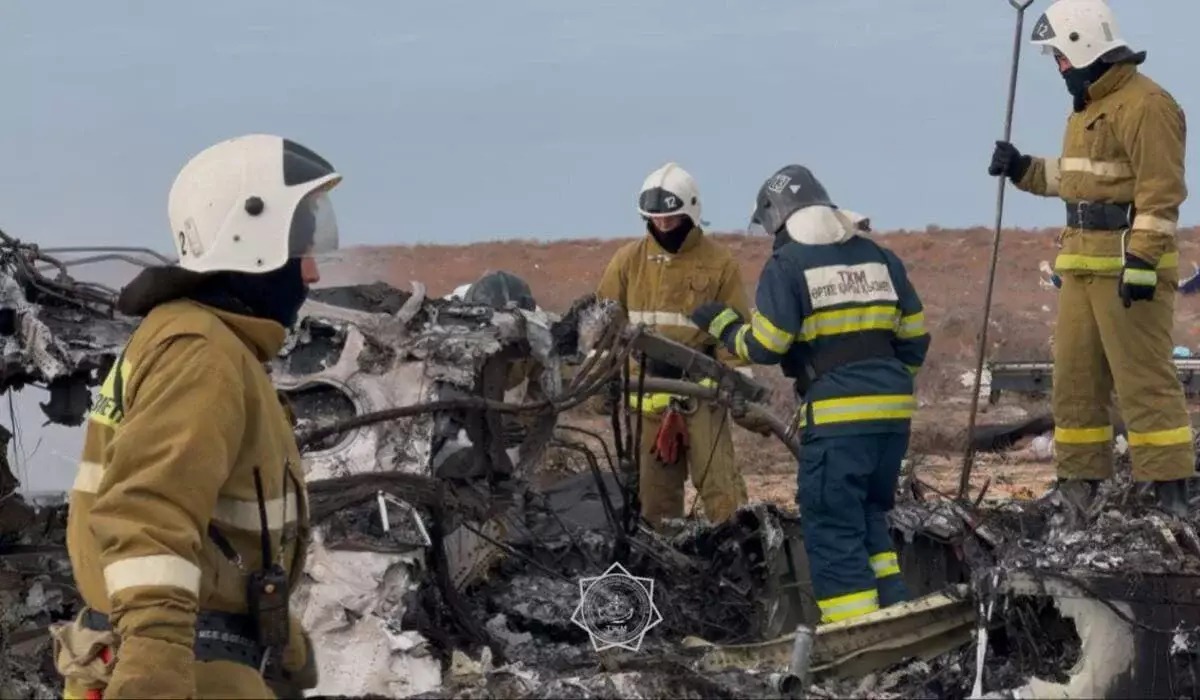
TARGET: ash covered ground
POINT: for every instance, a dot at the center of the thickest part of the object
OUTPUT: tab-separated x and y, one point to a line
710	582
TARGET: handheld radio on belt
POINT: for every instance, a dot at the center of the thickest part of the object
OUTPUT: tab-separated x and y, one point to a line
267	588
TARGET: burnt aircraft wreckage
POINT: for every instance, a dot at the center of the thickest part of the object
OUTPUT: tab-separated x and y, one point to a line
446	563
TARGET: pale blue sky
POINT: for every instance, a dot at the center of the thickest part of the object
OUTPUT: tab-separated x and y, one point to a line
458	121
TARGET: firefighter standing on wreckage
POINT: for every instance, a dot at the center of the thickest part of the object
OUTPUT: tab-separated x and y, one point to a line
657	281
838	313
188	519
1121	174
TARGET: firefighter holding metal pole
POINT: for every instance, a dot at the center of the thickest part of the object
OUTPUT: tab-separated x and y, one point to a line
1121	175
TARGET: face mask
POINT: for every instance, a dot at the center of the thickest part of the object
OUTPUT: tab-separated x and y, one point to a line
1078	81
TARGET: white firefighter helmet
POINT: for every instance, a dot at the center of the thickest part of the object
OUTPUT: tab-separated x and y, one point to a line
250	203
1081	30
668	191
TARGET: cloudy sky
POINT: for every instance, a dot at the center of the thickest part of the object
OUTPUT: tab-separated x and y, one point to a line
458	121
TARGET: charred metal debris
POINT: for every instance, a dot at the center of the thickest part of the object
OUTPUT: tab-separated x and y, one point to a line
446	563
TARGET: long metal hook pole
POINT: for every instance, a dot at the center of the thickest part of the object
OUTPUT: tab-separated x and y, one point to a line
964	482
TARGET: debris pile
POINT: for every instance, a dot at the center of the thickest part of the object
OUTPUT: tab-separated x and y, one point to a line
441	567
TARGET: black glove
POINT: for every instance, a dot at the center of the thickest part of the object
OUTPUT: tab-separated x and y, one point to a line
1008	161
716	318
1138	280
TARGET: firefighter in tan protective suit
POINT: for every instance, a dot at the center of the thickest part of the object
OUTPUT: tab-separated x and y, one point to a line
190	463
1121	174
657	281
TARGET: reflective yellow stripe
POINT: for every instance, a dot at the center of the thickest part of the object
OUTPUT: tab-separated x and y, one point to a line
913	369
885	564
911	326
1083	436
154	570
1161	438
739	344
1101	168
651	403
863	318
1146	278
1105	263
769	335
863	408
1149	222
655	403
721	321
848	606
109	408
1053	176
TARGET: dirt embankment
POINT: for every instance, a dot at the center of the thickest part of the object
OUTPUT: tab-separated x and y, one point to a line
948	268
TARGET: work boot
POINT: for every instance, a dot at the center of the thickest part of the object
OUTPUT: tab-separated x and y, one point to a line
1078	496
1173	496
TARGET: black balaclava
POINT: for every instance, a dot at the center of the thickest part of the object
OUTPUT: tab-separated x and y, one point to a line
672	240
276	295
1078	81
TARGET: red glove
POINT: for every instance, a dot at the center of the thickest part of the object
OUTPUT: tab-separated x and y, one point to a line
672	437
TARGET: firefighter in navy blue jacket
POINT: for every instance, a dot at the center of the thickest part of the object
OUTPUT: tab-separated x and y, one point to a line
838	313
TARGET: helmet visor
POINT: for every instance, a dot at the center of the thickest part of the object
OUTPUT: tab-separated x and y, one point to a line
755	227
314	228
658	201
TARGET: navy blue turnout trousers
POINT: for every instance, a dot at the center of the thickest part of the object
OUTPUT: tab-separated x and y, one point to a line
847	485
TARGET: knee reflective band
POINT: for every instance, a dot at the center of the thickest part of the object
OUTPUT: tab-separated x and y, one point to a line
844	607
1161	438
1084	436
885	564
862	408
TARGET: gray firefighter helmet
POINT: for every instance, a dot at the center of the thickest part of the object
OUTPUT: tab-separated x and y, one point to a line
499	289
790	189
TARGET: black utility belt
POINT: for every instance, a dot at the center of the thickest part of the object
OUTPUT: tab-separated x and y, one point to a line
1097	216
220	636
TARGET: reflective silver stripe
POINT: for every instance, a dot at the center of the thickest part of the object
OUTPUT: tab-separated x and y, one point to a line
661	318
243	515
1095	167
233	512
1149	222
1053	176
153	570
87	479
911	326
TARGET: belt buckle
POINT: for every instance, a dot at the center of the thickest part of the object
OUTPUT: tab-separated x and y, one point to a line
1081	214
